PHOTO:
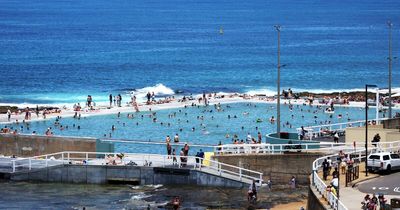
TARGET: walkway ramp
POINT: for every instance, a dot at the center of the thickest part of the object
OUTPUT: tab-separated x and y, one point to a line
20	165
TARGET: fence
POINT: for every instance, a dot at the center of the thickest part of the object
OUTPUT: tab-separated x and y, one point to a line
327	130
352	174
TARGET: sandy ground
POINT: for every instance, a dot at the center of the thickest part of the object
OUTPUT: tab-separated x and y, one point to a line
292	205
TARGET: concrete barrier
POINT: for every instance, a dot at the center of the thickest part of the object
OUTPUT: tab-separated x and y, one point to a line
278	167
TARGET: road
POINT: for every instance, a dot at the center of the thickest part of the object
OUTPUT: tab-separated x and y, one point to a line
387	184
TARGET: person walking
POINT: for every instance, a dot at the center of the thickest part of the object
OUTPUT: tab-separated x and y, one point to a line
325	169
110	97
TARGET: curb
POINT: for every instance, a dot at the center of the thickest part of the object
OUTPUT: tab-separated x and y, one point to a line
364	180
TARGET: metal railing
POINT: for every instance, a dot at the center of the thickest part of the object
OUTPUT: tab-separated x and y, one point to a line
392	146
278	148
322	130
181	143
358	156
137	159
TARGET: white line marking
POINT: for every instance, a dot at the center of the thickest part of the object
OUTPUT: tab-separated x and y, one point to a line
383	188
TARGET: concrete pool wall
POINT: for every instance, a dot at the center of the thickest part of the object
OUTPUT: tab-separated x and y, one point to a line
34	145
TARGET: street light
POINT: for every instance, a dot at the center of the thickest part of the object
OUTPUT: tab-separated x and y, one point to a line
278	83
390	67
390	59
366	127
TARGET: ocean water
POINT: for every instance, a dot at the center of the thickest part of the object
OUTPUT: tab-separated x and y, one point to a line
56	51
210	125
23	195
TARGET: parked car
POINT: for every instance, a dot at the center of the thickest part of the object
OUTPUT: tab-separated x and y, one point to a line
383	161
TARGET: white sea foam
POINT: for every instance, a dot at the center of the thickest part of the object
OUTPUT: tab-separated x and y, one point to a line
140	196
158	90
263	91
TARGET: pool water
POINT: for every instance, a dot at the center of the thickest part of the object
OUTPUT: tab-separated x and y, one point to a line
195	125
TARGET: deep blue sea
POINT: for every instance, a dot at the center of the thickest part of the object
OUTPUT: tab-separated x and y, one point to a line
58	51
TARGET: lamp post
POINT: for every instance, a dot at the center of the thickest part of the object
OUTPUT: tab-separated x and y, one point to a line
366	127
390	68
278	83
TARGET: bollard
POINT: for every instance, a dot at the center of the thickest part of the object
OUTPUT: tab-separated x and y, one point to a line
395	203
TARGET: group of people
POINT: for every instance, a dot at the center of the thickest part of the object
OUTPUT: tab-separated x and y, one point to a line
372	203
116	99
344	161
28	113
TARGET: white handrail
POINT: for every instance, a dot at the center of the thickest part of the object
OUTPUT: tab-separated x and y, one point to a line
221	169
317	130
275	148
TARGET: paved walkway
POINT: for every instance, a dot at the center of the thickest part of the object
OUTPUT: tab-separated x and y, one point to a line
350	196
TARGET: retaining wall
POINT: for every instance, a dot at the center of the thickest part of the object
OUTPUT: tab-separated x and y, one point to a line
92	174
278	167
314	202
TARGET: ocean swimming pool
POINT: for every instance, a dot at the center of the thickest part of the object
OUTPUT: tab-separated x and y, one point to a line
195	125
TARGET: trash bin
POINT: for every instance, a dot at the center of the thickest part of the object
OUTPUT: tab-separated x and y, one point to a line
395	203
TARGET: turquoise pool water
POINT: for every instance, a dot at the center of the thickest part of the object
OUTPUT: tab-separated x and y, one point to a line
195	125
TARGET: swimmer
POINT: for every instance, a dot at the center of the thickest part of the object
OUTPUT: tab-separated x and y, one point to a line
272	119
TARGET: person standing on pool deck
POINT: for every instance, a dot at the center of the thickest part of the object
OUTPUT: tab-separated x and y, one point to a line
201	155
174	160
119	99
148	95
186	149
111	99
182	157
8	115
248	139
37	111
169	149
89	100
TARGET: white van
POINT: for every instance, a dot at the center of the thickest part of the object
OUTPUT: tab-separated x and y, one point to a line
383	161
